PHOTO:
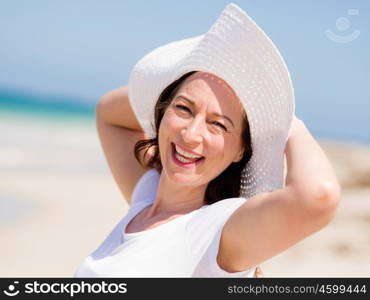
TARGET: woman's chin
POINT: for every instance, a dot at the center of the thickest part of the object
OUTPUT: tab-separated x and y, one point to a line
181	177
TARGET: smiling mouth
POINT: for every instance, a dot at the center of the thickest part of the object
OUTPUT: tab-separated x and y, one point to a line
182	160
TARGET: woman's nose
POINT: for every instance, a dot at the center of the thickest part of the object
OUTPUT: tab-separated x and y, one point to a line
193	132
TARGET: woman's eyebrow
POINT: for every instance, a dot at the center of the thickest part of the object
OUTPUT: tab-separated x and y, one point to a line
214	113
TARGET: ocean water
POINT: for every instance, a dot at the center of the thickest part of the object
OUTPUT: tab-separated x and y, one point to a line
26	104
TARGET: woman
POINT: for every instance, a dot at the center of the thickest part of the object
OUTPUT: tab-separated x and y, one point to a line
199	156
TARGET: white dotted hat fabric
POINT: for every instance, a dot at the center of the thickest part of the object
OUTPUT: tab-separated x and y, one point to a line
238	51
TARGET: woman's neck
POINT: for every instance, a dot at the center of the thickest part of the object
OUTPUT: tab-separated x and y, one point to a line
176	199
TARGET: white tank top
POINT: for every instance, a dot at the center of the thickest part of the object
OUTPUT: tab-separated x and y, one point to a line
186	246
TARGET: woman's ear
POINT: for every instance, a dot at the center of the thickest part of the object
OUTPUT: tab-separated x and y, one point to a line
239	155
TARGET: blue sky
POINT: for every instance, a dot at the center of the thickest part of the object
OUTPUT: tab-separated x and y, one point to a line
85	48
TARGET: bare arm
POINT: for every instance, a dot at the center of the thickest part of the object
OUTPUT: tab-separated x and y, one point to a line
271	222
114	108
119	130
309	170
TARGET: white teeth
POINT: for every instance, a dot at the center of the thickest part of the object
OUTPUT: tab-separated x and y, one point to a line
184	160
186	154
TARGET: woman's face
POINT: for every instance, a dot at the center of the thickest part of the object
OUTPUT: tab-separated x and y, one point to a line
205	118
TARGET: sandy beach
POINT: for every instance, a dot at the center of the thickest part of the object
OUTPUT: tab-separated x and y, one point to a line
58	201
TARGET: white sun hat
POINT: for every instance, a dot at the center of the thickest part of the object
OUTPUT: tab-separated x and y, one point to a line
237	50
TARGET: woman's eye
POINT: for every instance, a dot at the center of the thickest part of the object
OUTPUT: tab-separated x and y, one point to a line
182	107
220	125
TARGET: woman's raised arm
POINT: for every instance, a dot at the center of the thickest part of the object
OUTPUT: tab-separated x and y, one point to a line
309	171
115	109
271	222
119	130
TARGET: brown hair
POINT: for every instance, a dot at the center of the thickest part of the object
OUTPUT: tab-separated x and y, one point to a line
225	185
